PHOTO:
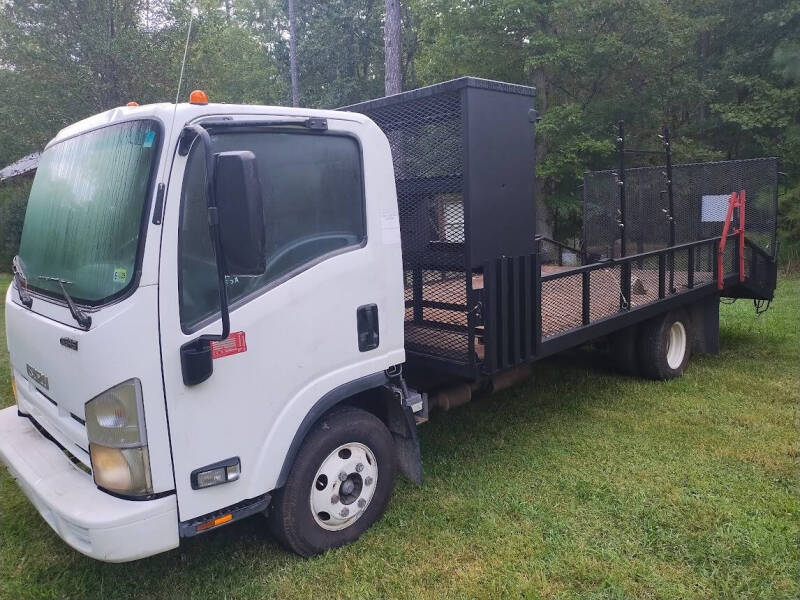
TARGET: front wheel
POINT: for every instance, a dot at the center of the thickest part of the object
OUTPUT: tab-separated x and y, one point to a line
339	485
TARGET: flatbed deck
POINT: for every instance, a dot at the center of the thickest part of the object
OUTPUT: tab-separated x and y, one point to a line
514	313
561	303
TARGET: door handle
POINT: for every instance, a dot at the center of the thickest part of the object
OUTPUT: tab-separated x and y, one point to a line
368	330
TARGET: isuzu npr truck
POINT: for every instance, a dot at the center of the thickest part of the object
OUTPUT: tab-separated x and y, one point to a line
220	311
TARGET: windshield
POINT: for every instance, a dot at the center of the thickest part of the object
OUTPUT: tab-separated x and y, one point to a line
85	212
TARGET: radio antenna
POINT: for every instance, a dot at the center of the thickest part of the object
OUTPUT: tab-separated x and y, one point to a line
192	10
185	53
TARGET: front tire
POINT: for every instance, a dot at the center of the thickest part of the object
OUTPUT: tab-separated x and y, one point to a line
339	485
665	346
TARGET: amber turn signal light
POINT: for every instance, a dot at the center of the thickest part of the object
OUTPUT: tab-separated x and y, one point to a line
214	522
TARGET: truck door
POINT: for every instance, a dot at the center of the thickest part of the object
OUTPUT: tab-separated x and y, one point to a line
294	329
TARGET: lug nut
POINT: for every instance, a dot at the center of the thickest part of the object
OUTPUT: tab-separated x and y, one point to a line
335	499
359	467
344	512
361	503
368	481
342	476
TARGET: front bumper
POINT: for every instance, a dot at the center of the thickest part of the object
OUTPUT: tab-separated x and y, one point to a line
91	521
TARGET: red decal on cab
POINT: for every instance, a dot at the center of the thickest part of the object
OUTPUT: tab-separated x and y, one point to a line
233	345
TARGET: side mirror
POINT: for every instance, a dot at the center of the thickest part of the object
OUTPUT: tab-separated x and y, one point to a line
240	207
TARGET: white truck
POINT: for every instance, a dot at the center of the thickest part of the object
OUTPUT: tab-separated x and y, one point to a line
211	310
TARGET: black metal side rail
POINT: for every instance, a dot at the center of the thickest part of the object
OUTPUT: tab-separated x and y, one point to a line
529	315
635	257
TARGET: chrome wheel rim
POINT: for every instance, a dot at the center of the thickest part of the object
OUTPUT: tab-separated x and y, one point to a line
676	345
343	486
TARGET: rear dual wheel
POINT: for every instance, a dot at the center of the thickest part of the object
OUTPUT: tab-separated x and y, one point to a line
657	349
665	346
339	485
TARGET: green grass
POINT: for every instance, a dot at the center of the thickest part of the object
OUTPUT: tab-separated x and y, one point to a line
579	484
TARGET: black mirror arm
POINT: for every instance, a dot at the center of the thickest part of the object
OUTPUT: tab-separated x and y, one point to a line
213	228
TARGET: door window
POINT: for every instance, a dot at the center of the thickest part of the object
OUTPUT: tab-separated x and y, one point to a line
313	207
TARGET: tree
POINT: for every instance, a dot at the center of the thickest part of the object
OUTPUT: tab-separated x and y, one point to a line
339	51
719	74
723	75
293	55
392	40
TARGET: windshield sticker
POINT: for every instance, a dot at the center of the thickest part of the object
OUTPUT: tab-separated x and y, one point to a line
149	138
120	275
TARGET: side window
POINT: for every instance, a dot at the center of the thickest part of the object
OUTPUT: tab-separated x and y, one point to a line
313	205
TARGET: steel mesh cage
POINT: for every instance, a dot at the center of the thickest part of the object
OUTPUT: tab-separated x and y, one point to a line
426	137
700	199
445	188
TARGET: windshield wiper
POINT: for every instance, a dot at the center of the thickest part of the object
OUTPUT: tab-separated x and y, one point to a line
82	318
21	282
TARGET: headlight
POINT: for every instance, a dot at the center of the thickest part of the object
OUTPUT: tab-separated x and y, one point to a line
118	440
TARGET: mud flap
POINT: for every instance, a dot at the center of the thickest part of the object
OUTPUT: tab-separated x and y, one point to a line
403	427
705	320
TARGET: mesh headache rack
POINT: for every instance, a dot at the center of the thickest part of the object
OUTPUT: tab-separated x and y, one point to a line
463	155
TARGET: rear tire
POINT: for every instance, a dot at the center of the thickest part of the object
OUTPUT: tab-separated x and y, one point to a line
665	346
339	485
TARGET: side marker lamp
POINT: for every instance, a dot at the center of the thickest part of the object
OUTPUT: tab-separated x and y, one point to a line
225	471
214	522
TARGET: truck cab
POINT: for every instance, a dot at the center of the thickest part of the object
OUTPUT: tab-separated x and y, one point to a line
165	388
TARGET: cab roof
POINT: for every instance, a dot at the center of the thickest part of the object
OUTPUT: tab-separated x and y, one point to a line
186	113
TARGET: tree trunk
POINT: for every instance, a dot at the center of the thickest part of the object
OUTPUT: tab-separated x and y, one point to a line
293	56
544	213
391	38
410	45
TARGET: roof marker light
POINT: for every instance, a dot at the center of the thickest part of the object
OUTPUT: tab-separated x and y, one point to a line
198	97
132	104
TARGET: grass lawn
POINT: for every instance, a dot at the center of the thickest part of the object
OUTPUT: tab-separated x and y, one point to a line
579	484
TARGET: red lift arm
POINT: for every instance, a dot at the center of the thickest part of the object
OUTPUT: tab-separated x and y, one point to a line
737	200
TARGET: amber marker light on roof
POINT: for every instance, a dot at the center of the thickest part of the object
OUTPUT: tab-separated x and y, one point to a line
132	104
198	97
